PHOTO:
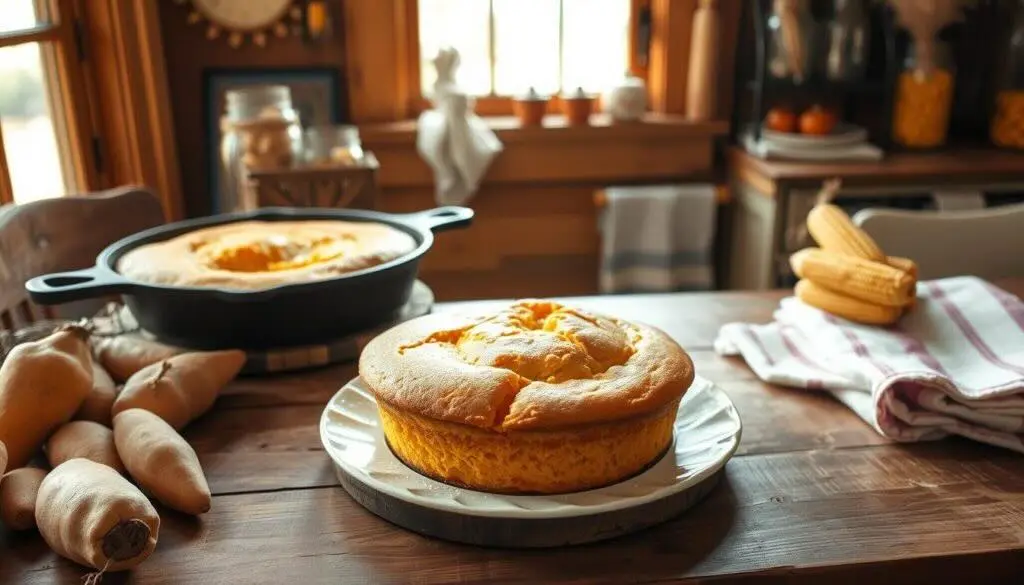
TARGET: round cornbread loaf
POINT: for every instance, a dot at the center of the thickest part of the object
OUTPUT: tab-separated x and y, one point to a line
536	397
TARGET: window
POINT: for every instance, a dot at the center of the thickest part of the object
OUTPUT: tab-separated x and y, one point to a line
509	46
44	124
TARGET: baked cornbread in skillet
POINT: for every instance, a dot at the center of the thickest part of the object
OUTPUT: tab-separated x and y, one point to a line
534	398
262	254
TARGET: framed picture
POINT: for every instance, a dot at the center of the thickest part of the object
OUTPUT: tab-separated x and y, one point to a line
315	93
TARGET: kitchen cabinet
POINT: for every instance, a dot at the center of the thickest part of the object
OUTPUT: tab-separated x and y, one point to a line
771	199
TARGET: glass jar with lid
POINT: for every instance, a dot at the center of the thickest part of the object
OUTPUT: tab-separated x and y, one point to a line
333	146
1008	119
260	130
924	95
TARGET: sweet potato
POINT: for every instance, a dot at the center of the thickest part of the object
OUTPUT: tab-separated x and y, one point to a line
3	458
100	399
89	513
124	355
83	439
160	461
42	384
181	388
18	497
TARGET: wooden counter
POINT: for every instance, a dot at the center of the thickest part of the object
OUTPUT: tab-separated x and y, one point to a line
975	165
814	495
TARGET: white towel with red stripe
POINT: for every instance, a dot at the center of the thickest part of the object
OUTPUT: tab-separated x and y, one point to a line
952	366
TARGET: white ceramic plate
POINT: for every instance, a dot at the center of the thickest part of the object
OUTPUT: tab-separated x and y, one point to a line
841	135
707	432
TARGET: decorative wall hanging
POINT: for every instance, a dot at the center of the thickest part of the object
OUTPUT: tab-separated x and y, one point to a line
238	20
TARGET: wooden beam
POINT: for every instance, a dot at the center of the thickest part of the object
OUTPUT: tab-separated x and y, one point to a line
377	56
671	22
70	103
126	56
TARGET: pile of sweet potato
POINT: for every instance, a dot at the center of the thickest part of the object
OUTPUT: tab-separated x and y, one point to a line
106	413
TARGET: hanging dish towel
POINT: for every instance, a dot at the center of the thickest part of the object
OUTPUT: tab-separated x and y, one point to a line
454	141
657	238
952	366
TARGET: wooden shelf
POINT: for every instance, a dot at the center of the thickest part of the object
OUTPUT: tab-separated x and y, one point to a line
658	147
981	164
555	128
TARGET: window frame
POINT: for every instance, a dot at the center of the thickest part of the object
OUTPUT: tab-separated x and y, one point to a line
490	105
108	57
72	121
382	55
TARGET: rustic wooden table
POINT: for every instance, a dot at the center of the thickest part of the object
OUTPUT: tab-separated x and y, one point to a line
813	495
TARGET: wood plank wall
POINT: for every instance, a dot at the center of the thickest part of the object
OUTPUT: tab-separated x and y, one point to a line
535	232
533	240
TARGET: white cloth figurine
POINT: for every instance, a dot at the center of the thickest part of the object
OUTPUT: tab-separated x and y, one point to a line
453	140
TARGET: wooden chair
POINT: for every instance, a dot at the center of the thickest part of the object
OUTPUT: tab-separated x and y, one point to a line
61	234
987	243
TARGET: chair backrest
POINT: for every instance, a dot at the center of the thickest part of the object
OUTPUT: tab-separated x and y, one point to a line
987	243
61	234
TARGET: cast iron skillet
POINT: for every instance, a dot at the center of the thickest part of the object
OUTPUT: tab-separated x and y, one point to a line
287	315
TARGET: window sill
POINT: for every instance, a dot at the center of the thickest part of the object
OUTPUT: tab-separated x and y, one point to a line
657	147
556	128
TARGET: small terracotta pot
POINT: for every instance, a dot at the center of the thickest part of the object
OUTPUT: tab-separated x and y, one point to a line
530	111
577	108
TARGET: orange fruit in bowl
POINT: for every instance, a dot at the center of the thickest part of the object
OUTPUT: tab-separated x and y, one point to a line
781	120
817	121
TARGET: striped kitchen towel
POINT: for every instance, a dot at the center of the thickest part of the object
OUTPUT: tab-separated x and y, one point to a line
952	366
657	238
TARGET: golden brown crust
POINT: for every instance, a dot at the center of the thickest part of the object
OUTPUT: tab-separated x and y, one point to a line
533	365
532	461
261	254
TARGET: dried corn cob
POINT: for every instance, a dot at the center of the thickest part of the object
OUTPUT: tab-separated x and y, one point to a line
831	227
844	306
910	267
905	264
862	279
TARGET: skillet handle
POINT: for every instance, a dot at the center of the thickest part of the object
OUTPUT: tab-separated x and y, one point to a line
77	285
443	218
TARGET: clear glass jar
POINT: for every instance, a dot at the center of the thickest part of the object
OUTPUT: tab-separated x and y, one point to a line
1008	119
791	32
260	130
924	96
332	145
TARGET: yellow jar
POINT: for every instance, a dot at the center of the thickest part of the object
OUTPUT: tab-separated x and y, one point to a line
923	102
1007	128
1008	121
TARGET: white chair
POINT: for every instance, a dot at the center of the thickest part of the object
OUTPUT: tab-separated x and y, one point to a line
987	243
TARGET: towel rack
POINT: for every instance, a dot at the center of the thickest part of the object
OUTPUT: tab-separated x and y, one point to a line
722	196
